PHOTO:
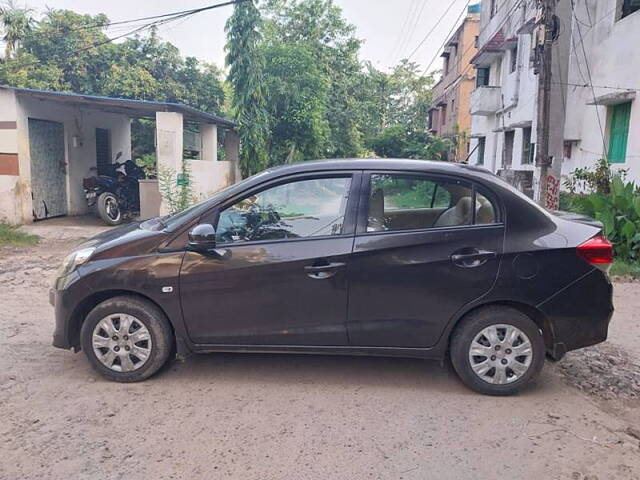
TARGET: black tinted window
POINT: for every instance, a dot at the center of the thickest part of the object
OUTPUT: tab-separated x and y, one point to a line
305	208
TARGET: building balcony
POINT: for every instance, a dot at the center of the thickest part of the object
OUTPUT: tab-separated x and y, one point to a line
486	101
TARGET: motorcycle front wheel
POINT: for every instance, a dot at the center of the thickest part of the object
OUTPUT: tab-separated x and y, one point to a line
109	209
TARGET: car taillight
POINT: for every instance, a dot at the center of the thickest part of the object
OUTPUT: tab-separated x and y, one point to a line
598	251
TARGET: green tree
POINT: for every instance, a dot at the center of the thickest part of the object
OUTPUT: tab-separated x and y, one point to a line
296	92
330	39
15	24
246	75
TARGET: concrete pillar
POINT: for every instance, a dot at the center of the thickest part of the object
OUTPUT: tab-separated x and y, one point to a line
169	146
209	136
232	152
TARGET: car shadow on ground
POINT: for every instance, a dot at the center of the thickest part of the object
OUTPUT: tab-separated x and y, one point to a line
335	371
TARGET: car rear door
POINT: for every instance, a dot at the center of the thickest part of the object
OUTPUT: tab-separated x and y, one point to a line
409	274
281	274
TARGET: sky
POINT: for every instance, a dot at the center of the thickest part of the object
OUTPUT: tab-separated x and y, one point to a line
391	29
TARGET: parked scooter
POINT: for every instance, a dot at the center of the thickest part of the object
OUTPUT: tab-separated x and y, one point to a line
116	195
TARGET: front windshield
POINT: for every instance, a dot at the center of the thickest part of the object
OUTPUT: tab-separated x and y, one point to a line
171	222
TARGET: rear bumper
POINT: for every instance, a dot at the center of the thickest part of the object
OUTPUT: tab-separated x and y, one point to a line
579	314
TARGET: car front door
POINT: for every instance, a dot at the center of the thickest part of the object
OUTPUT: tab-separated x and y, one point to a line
425	246
279	275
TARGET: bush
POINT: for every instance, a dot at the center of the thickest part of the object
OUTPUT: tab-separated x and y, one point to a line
619	212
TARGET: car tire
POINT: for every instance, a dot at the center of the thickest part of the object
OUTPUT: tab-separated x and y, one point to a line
109	209
497	335
127	339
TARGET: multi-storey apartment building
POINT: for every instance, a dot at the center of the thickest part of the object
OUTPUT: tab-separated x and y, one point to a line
450	116
504	102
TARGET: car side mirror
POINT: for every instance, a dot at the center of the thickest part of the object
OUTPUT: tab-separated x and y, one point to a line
202	238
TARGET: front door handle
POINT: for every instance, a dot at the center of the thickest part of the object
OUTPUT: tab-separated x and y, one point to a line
471	258
327	270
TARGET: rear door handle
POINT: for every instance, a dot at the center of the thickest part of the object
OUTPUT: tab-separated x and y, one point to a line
472	258
324	271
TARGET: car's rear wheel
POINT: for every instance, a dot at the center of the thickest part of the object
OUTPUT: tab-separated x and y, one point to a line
497	350
126	339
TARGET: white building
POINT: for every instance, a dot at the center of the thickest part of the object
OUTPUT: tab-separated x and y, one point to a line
605	120
503	105
50	141
595	43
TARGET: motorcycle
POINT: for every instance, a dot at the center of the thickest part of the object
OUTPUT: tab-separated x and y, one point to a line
116	195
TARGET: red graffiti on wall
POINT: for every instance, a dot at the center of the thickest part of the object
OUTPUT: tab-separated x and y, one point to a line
552	201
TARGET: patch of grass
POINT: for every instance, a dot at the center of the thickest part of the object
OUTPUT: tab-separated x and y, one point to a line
624	268
10	236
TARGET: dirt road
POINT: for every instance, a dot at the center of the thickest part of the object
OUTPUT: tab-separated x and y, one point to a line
301	417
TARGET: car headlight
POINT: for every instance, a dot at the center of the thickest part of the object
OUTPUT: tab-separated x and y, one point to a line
75	259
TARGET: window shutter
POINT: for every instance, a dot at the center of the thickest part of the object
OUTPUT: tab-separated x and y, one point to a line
619	133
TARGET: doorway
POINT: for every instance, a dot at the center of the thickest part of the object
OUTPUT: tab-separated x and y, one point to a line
48	169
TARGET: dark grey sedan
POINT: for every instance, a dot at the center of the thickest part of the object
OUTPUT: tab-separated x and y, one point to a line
360	257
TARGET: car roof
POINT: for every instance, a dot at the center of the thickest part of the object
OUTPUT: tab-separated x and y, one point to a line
378	164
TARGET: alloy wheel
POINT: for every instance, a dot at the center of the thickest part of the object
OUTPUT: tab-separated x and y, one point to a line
121	342
500	354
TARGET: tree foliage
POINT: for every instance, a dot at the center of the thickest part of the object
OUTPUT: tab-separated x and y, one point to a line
67	51
246	75
295	83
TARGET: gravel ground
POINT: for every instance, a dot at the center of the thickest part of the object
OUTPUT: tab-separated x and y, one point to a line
300	417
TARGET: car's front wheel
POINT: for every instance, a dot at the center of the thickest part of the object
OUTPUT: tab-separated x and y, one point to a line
497	350
126	339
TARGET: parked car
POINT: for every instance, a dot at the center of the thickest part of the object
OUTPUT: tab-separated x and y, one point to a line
399	258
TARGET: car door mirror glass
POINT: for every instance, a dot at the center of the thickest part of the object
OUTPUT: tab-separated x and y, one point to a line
202	238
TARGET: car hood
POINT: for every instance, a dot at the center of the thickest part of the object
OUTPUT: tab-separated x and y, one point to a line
125	240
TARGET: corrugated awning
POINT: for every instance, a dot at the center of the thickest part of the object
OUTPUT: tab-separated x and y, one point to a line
124	106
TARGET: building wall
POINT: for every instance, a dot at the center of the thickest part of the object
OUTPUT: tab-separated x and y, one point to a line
455	86
518	94
10	182
614	59
208	175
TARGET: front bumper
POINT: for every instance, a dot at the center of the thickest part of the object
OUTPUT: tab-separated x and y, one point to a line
64	336
579	314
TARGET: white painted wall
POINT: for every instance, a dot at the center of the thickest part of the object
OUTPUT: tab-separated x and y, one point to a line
10	185
613	56
208	175
80	123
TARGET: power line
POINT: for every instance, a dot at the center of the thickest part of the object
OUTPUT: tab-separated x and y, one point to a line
498	28
446	39
434	27
412	27
159	20
593	91
180	13
588	85
400	39
502	24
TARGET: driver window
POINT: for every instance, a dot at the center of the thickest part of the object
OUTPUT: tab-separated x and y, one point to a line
305	208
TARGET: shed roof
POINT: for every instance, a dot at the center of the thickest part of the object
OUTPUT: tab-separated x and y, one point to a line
125	106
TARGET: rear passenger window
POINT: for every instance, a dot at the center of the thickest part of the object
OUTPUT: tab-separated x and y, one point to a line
405	202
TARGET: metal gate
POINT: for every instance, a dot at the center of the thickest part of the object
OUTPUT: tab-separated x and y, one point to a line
48	169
